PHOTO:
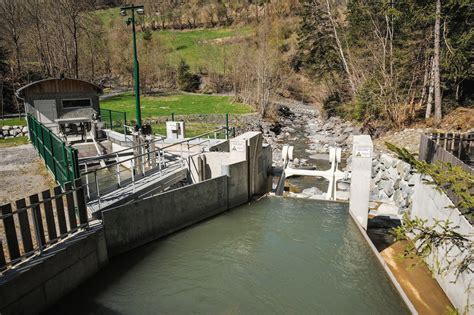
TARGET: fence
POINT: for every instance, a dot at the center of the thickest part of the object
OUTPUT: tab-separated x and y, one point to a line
62	213
434	148
61	159
448	148
114	120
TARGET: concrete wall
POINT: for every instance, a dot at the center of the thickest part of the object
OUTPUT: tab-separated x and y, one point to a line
431	204
361	176
129	226
237	183
37	284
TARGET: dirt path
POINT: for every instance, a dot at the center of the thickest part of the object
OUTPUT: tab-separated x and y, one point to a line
22	173
417	282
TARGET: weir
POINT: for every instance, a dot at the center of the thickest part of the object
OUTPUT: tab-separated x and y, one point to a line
215	182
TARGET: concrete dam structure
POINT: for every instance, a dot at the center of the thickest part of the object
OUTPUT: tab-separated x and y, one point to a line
273	255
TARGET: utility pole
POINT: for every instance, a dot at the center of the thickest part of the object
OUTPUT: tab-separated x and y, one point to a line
139	9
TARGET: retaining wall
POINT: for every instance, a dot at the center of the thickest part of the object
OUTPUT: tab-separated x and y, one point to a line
129	226
431	204
41	282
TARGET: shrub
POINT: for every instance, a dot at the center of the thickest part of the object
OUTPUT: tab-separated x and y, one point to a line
186	80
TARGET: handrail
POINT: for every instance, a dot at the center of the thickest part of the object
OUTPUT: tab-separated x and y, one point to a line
150	152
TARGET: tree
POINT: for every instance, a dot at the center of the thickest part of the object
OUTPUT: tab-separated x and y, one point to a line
186	80
436	57
11	26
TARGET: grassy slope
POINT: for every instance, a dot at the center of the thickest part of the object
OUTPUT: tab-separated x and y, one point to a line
199	47
180	104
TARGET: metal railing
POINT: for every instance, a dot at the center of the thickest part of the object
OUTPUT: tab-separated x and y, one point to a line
27	228
60	159
114	120
146	160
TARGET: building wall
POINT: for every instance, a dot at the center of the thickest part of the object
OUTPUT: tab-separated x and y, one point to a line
65	112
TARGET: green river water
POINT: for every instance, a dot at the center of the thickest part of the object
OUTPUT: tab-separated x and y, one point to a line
274	256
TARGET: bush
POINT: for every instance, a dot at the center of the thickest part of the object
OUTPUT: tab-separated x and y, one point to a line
333	104
186	80
366	103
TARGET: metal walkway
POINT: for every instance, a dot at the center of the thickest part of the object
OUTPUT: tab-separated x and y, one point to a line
141	171
153	183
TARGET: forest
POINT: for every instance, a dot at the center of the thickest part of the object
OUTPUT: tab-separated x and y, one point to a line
378	62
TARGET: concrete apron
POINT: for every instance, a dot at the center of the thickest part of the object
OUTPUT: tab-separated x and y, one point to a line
382	262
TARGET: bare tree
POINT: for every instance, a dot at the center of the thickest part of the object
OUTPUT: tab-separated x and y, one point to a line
10	26
437	83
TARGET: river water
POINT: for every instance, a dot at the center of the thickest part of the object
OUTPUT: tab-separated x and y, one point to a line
274	256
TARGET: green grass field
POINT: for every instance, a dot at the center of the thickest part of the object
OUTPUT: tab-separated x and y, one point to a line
13	122
180	104
192	128
12	142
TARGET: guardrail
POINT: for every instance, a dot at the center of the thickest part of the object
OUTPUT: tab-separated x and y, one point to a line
114	120
146	160
63	213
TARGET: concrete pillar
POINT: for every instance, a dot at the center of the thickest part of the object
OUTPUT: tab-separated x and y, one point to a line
362	152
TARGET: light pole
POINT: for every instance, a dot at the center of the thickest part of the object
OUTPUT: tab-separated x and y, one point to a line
131	20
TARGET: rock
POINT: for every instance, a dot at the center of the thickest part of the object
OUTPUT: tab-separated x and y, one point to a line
312	191
387	160
382	196
13	132
348	129
396	184
6	128
343	186
411	181
378	176
387	187
342	195
5	133
319	156
387	209
392	173
296	161
403	169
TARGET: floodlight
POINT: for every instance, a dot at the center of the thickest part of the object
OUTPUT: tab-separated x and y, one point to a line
123	13
140	11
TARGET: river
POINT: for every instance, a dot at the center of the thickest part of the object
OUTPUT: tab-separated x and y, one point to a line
274	256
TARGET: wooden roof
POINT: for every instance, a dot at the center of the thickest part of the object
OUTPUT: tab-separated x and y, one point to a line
64	85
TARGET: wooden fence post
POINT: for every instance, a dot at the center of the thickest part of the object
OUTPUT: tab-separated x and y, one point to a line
40	238
48	212
60	210
81	201
71	211
24	225
10	232
3	263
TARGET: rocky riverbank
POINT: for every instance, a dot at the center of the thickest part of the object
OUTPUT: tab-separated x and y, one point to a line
312	135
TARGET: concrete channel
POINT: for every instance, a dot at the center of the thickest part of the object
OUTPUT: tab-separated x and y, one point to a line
224	181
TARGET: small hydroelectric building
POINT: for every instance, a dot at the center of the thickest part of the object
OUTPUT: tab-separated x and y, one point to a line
64	105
